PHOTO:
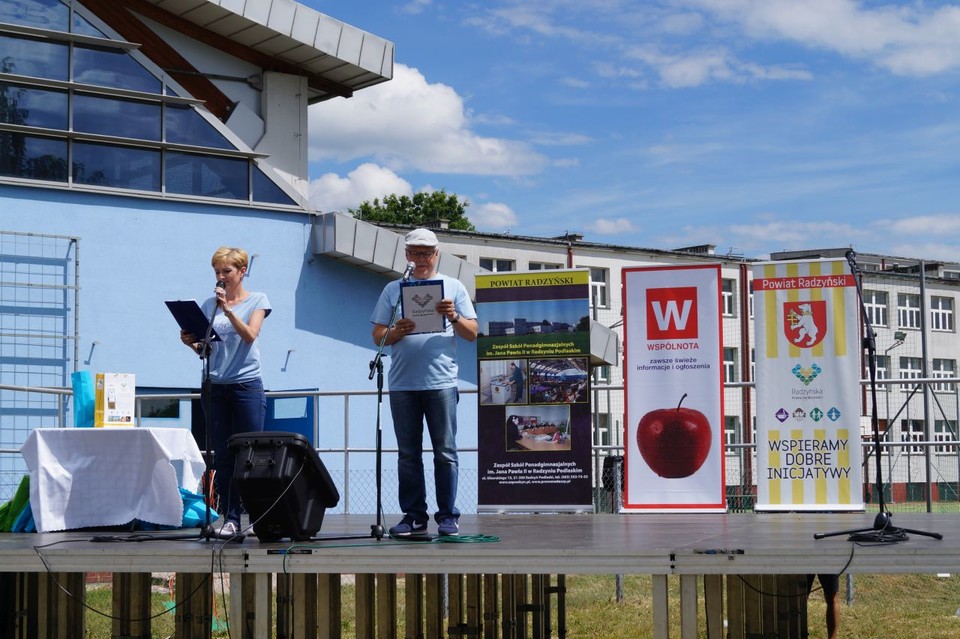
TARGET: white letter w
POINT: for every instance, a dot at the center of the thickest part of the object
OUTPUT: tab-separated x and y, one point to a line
679	319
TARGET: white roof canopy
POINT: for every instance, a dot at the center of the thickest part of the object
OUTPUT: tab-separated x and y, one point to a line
338	58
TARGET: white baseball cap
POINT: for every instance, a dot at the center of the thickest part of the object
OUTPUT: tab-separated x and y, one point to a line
420	237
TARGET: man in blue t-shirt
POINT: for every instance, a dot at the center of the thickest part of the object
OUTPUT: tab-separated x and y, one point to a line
423	386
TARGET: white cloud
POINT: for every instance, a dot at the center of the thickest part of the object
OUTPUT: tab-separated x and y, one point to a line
790	234
685	70
940	225
945	227
611	227
907	237
492	216
907	38
330	192
769	235
929	251
415	7
408	124
574	83
695	68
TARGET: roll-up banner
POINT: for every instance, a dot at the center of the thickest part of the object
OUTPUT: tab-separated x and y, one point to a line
534	418
807	386
673	367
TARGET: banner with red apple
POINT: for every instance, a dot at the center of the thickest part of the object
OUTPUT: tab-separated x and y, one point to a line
534	420
806	316
673	367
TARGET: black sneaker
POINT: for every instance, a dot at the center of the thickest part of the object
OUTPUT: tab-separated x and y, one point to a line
448	527
409	527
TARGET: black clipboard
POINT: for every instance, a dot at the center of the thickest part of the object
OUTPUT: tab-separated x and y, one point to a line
191	319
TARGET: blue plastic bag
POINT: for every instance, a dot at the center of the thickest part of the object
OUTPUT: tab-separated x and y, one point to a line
194	514
84	399
195	510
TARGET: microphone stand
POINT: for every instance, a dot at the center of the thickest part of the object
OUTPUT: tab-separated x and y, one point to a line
206	532
376	368
883	528
205	398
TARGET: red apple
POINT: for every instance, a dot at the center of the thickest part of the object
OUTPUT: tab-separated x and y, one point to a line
674	441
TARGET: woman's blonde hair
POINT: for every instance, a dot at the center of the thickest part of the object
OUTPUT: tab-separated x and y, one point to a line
236	257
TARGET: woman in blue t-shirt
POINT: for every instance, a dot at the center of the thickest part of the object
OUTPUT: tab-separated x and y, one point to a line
236	402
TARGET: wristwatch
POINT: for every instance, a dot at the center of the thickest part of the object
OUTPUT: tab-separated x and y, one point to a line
456	318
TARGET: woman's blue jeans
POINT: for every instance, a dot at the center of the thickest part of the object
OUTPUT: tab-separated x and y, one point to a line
439	409
234	408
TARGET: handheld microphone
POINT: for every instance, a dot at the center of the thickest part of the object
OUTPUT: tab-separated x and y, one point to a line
222	284
407	273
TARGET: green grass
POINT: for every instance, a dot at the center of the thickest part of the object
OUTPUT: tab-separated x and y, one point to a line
883	606
921	606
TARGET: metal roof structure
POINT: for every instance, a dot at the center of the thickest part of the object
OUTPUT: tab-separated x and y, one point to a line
337	58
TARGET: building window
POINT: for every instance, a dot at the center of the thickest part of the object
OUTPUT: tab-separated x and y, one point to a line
112	140
883	369
544	266
875	303
497	266
945	431
603	437
30	106
185	126
750	303
731	430
33	157
601	373
910	368
121	167
93	65
599	278
727	288
944	368
160	408
941	314
35	58
730	365
908	310
102	115
207	176
911	430
753	363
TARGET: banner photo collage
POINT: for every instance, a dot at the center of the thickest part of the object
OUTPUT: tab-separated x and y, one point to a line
533	355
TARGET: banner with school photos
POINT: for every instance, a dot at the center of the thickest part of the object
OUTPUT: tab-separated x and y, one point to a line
806	320
534	417
673	368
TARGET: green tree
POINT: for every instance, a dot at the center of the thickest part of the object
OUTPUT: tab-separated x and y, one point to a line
418	210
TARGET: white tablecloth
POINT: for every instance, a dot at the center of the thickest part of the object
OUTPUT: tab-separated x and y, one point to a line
86	477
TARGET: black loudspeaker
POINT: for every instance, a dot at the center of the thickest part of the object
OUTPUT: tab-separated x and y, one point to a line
284	486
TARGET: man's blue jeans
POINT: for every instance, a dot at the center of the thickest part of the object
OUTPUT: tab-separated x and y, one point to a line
439	408
234	408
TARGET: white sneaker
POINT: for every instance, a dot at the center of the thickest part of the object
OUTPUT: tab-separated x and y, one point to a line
228	529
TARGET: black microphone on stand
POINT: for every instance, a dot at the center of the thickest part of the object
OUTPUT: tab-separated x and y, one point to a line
852	261
407	273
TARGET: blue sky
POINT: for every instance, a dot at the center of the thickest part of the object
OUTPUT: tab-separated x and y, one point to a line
754	125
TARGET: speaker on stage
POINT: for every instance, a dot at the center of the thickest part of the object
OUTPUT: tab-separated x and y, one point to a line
284	486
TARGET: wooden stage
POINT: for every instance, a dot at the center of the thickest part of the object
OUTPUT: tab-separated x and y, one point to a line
496	584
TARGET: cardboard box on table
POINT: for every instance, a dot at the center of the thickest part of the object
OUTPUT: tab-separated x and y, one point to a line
115	399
